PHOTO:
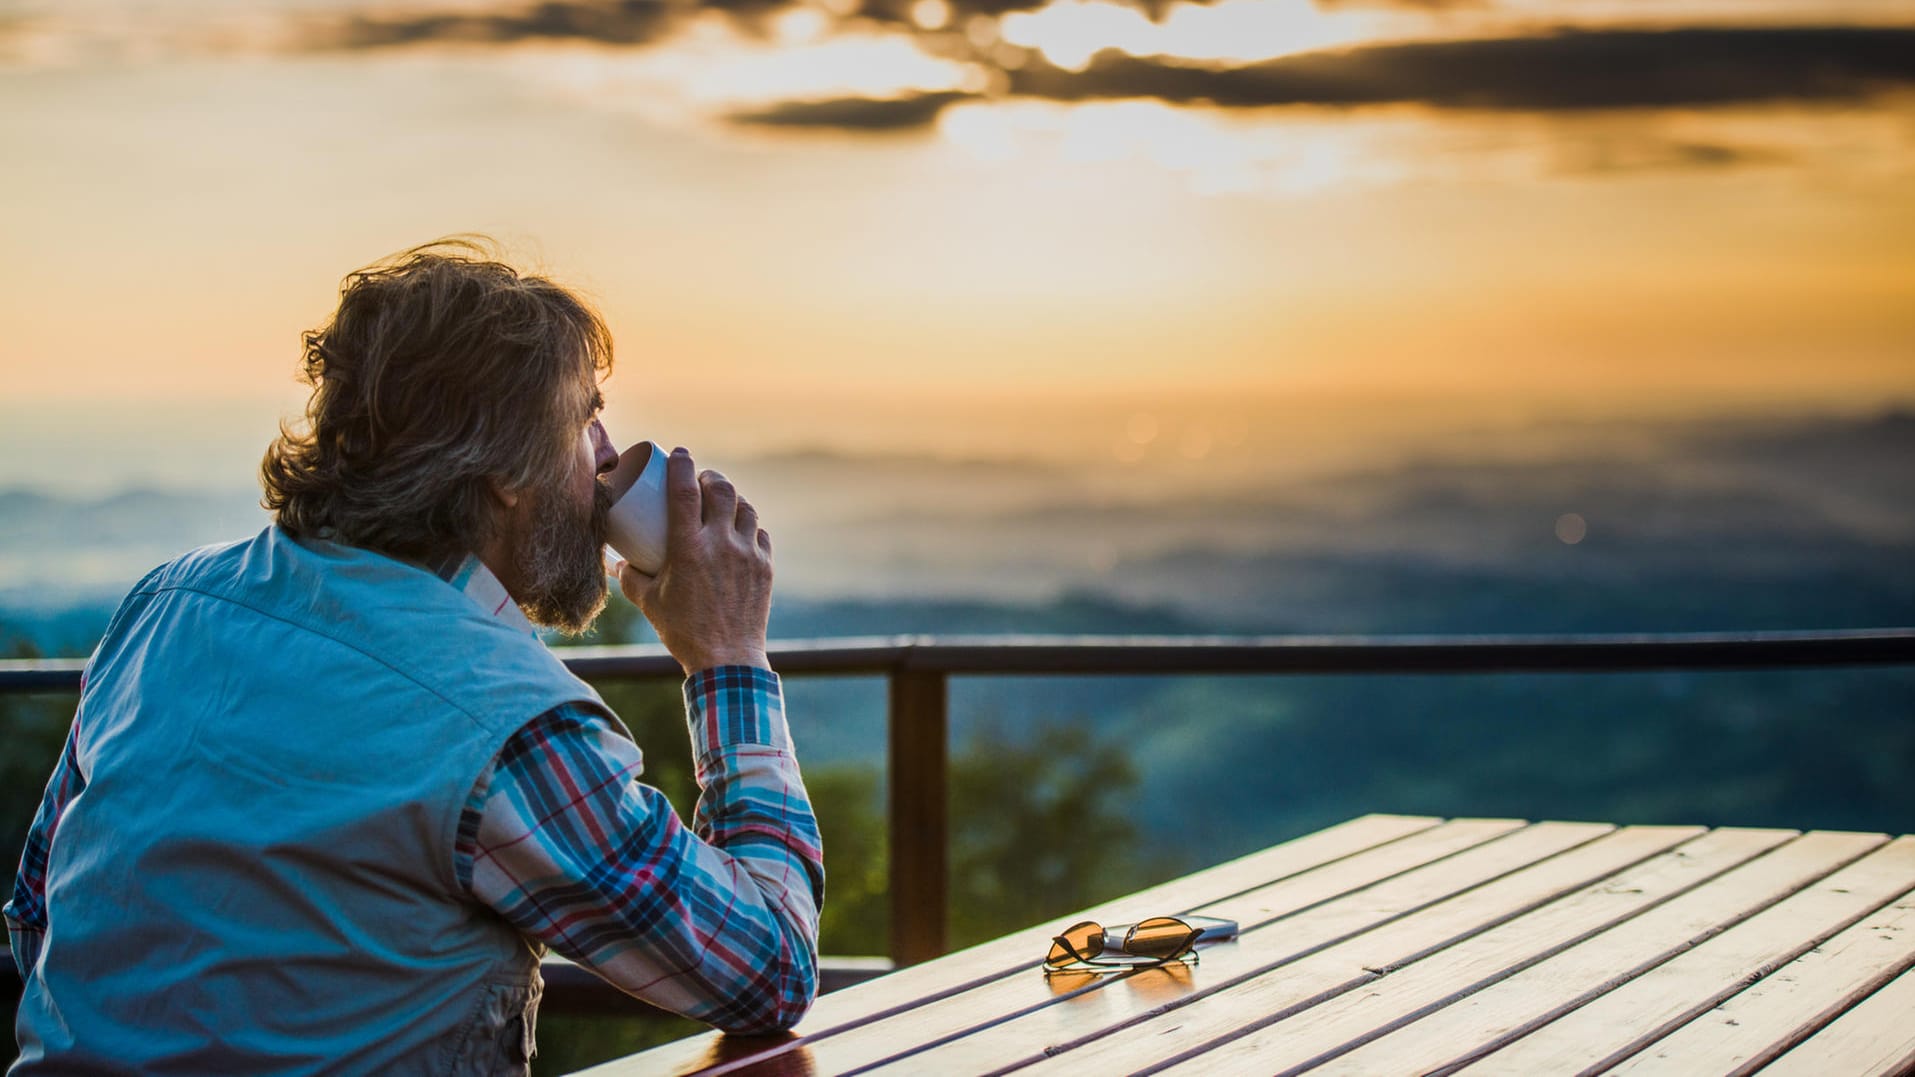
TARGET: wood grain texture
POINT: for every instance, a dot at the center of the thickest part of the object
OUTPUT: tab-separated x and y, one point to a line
1342	1024
1480	1023
1649	1006
1790	1004
1874	1038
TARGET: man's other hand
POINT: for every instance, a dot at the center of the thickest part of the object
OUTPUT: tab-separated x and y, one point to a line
711	601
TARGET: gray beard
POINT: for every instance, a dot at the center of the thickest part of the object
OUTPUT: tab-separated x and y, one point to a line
560	563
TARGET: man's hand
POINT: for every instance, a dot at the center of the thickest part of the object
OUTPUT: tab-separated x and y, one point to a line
711	601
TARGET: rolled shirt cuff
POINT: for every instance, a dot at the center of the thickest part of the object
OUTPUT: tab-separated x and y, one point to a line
728	706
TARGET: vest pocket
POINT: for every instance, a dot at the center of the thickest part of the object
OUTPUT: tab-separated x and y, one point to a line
500	1035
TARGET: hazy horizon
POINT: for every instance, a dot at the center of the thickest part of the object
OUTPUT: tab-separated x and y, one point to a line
100	446
1250	542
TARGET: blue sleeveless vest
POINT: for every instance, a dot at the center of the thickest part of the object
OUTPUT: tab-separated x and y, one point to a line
278	738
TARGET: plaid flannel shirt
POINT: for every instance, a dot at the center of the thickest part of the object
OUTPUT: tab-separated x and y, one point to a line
718	921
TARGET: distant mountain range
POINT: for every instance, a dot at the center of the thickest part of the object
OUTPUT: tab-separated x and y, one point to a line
1700	526
1679	526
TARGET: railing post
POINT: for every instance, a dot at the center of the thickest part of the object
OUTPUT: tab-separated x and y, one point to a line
918	746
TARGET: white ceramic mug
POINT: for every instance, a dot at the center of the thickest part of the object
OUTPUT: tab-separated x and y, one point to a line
636	527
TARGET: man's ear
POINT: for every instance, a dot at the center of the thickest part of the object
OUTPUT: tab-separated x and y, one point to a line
502	492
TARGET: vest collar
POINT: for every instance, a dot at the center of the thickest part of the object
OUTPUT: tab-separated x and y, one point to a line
470	577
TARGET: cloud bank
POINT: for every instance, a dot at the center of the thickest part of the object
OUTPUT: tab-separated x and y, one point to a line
1562	72
626	22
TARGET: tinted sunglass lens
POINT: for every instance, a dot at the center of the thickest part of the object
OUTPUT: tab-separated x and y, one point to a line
1160	936
1079	942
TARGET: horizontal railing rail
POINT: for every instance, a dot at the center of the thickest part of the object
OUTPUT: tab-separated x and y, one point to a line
1158	655
917	670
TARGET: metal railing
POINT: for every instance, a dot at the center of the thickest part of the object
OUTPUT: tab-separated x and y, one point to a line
918	671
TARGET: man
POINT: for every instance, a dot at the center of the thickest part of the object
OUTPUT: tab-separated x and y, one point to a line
326	798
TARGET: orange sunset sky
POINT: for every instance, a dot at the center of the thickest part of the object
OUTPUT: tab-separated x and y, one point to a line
963	223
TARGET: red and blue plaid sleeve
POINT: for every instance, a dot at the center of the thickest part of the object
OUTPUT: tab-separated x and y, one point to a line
26	913
717	921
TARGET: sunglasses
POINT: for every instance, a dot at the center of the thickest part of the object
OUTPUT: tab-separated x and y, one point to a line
1145	944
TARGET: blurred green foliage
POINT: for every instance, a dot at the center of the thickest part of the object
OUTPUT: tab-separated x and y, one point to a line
1040	827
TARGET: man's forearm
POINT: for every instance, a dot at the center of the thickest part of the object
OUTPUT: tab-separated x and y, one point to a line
718	924
754	807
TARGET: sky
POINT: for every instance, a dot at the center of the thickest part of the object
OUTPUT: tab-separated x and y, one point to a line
1210	234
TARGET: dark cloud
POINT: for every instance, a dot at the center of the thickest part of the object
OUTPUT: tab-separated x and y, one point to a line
1567	71
640	22
611	22
1562	71
626	22
1557	72
855	113
899	11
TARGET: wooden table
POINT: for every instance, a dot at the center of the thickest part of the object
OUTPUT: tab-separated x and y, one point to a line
1391	944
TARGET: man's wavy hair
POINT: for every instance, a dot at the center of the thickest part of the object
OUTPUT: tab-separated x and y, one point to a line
443	370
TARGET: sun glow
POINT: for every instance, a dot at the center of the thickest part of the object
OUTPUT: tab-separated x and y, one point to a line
1070	32
1216	155
716	70
931	14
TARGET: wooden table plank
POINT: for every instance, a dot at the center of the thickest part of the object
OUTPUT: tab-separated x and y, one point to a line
1027	989
1786	1007
1668	997
1875	1038
986	961
1476	1025
1347	1022
1160	1019
1622	1022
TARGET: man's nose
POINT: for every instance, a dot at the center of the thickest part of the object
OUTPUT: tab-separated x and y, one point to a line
605	456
